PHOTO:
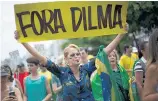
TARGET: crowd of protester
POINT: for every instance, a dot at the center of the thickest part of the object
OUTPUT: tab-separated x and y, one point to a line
68	79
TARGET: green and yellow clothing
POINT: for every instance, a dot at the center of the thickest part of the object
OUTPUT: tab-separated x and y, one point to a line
127	62
47	74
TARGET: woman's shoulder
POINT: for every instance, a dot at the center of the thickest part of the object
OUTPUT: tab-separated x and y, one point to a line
153	67
152	70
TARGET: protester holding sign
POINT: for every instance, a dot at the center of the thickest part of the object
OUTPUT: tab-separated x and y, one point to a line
70	19
150	92
75	80
59	20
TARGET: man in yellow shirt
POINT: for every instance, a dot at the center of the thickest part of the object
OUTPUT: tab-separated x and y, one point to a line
46	73
127	59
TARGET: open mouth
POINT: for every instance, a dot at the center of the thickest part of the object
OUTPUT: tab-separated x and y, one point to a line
77	60
112	60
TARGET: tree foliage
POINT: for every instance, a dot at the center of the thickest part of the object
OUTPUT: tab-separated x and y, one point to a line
142	14
95	42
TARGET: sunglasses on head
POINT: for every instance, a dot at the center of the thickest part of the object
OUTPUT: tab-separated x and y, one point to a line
31	65
73	55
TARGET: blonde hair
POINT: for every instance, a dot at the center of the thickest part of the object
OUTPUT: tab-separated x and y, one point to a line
153	48
66	50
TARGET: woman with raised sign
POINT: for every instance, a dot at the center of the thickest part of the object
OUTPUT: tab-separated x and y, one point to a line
75	80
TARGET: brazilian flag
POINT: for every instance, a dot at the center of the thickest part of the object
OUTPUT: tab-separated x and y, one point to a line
103	84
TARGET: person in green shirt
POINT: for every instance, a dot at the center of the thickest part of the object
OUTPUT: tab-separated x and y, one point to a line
120	76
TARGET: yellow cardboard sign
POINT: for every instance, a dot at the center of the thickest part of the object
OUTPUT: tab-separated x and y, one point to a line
71	19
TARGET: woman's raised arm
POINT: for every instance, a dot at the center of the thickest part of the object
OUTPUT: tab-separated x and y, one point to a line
115	42
32	51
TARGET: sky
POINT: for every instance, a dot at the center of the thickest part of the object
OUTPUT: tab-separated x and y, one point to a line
7	28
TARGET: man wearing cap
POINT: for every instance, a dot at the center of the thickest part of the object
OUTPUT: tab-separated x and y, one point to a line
8	93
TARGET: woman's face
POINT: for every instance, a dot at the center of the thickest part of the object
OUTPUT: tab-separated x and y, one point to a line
112	58
74	57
